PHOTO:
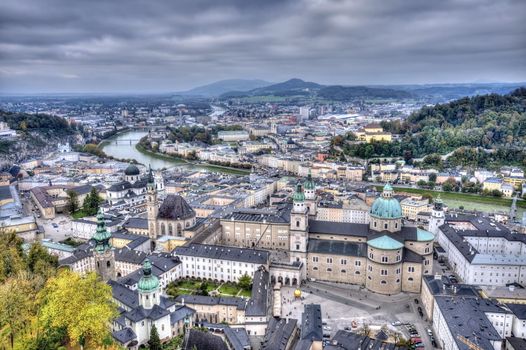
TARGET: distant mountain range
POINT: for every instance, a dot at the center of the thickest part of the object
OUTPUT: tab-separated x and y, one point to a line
239	88
223	86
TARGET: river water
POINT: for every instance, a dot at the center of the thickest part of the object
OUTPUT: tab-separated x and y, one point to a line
122	146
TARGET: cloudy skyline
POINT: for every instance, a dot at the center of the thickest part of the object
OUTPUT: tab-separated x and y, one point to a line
166	45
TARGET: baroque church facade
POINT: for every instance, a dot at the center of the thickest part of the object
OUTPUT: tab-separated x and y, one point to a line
384	256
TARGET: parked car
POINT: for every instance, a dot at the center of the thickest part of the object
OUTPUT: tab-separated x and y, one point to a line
396	323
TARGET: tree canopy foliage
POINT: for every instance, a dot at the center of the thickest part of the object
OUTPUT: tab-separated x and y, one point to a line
41	122
489	122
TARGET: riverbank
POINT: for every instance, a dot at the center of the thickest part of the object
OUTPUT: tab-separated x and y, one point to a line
211	167
462	197
143	150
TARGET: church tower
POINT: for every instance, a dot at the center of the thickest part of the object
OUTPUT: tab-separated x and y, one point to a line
152	205
148	287
103	253
437	218
299	224
310	195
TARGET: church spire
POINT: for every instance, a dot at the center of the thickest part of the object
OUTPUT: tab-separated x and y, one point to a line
102	236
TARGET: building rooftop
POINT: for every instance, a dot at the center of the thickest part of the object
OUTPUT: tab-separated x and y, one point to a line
254	256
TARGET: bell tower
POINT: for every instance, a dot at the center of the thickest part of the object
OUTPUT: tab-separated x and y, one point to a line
437	216
310	195
103	252
152	205
299	225
148	287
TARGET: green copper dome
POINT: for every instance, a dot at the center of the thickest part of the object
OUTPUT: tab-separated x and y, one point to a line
386	207
309	183
148	282
298	196
102	236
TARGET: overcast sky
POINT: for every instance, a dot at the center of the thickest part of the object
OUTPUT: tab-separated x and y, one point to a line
171	45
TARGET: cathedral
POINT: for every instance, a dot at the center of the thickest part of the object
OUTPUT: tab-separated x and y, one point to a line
131	192
384	256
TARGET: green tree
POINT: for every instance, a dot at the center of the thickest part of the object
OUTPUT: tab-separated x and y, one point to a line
245	281
17	306
73	204
92	202
155	342
203	288
11	255
40	262
83	306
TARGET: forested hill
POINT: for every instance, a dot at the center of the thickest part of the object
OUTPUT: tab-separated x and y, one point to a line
491	122
37	122
477	111
38	134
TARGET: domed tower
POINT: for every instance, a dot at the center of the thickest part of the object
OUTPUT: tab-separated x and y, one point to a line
152	205
132	173
148	287
299	223
386	212
437	218
310	195
103	253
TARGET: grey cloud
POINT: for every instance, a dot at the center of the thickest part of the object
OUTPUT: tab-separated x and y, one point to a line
167	45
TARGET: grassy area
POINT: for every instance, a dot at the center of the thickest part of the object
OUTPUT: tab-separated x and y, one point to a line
245	293
188	284
466	197
70	241
229	289
79	214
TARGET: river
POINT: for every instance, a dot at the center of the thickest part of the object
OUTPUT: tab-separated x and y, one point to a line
122	146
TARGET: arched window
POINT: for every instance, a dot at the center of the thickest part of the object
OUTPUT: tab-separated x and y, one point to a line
383	282
170	229
297	223
108	264
179	230
163	229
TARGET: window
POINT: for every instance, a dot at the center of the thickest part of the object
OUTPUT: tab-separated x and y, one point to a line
411	269
329	260
329	269
371	255
383	282
385	226
343	271
383	272
357	272
343	261
297	223
410	279
385	259
357	263
315	268
297	247
314	259
370	268
398	257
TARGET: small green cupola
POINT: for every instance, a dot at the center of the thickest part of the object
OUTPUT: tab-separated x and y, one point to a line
309	183
102	236
298	196
148	282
